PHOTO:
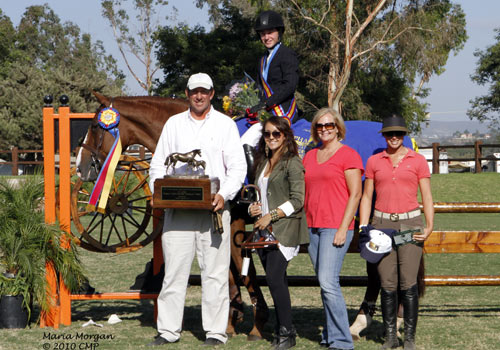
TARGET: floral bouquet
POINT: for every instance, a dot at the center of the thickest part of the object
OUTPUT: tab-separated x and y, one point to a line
242	95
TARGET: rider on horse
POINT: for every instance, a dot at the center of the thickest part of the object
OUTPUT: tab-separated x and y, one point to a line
278	76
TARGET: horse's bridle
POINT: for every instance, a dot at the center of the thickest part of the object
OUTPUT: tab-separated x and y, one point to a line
95	152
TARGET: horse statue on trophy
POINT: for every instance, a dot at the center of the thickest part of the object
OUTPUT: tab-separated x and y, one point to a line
188	157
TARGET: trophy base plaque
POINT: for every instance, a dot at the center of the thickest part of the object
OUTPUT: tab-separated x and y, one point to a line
183	192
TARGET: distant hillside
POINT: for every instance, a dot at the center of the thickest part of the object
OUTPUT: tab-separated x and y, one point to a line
441	128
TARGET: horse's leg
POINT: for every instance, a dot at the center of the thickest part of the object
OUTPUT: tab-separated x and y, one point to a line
191	165
236	303
174	163
260	309
367	308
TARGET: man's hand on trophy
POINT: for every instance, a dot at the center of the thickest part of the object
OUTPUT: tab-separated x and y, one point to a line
218	202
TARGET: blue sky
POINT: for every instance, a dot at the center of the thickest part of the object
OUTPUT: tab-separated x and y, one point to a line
451	91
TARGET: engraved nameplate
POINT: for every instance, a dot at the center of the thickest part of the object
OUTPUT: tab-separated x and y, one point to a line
183	192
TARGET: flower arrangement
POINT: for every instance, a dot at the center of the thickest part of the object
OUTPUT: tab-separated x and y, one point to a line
241	96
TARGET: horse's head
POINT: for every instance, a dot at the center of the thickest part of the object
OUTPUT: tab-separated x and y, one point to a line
141	121
95	147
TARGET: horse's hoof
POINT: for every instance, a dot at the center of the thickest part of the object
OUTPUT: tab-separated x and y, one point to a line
253	337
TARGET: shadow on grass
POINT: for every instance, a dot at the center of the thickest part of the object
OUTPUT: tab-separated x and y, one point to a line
308	322
99	311
139	310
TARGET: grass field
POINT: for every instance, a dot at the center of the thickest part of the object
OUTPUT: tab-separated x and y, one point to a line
450	317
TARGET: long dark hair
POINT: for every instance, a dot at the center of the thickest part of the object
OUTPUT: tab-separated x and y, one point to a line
289	147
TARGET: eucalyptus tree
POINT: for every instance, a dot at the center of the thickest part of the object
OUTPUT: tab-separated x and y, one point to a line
138	44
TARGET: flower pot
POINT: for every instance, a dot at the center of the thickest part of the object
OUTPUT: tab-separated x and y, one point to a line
12	312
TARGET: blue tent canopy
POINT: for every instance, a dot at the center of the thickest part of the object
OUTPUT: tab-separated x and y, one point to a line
361	135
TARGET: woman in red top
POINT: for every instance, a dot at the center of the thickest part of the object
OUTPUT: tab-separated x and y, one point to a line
395	175
333	189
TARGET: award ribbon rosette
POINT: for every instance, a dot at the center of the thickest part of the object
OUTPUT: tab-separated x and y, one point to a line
108	119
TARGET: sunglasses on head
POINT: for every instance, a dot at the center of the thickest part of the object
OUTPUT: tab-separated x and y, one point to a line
394	134
327	126
274	134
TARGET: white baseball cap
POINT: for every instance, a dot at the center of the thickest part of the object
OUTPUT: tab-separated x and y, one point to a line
202	80
379	244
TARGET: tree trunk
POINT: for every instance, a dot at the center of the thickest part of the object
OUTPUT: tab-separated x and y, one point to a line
334	70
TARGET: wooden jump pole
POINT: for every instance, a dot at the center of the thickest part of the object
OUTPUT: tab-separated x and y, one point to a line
49	318
64	197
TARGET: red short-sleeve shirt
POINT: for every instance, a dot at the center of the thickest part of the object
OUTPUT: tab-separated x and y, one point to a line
396	187
326	187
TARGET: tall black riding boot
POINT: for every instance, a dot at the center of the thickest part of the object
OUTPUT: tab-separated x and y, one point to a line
249	151
389	303
410	308
286	338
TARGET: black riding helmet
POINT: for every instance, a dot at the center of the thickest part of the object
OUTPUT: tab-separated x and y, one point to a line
269	20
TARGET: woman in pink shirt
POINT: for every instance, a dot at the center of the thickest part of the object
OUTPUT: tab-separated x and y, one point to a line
396	175
333	190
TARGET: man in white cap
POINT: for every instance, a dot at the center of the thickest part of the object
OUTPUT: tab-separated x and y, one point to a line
189	231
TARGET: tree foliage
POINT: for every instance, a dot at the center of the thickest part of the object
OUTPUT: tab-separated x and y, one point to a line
350	50
7	32
216	9
45	57
487	107
138	43
225	53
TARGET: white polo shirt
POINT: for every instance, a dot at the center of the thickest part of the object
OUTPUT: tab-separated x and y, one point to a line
218	139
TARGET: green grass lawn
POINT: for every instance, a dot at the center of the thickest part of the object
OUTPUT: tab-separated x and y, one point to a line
452	318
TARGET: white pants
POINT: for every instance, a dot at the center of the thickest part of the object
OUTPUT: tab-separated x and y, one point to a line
252	135
187	232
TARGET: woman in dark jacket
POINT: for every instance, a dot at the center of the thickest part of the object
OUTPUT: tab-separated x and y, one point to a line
280	177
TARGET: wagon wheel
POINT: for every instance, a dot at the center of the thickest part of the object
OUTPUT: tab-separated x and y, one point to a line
128	215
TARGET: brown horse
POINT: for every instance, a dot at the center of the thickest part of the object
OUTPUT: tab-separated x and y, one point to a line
141	122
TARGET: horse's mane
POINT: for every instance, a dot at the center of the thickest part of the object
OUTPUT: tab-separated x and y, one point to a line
139	108
152	100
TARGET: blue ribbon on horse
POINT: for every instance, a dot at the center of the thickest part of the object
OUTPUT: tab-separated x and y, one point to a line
108	119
